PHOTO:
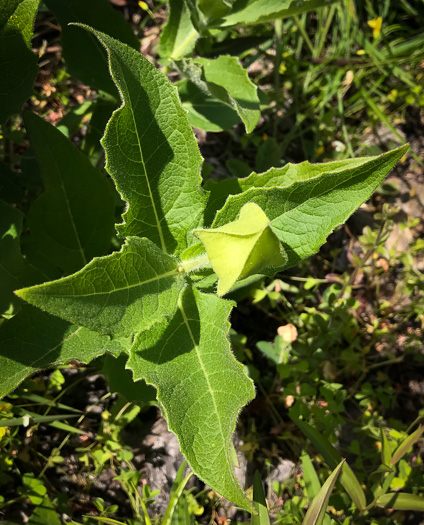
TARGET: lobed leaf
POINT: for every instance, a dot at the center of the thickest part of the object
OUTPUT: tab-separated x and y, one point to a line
118	295
151	152
34	340
72	221
304	213
201	387
18	64
84	55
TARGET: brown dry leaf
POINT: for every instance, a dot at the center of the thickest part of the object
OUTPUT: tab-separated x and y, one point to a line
288	332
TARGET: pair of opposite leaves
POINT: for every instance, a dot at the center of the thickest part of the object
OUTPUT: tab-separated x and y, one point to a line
242	248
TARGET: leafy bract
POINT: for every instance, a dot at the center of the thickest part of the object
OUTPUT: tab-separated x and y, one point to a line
73	220
246	12
15	271
18	64
178	37
242	248
224	79
34	340
151	152
120	294
200	385
84	55
304	213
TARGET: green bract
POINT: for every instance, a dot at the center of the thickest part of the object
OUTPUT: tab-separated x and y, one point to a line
143	300
242	248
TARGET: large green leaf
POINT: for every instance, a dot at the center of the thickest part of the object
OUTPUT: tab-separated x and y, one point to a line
34	340
246	12
15	272
225	79
120	294
151	152
85	57
179	36
73	220
18	64
200	385
275	177
324	201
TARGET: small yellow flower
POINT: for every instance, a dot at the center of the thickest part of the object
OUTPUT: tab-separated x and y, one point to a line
143	5
361	52
375	25
319	151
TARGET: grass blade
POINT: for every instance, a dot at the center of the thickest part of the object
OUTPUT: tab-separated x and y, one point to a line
259	502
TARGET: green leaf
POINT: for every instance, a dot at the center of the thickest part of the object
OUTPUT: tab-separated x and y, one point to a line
18	64
312	484
204	111
15	272
333	458
401	501
120	380
73	220
386	454
274	177
119	295
316	511
173	500
178	37
225	79
34	340
242	248
85	58
406	445
10	189
247	12
44	514
201	387
151	152
213	9
259	502
324	202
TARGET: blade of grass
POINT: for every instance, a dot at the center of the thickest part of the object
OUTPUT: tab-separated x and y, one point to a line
259	502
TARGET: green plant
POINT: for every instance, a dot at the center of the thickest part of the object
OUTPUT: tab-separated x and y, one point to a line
149	298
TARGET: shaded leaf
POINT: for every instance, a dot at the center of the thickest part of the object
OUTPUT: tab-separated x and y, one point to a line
119	294
189	361
18	64
85	57
72	221
120	381
204	111
401	501
15	272
34	340
178	37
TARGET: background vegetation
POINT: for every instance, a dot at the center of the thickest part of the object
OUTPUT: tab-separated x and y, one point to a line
337	340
